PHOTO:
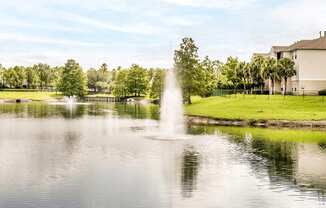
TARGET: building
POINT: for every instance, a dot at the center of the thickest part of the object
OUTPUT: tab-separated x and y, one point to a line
310	64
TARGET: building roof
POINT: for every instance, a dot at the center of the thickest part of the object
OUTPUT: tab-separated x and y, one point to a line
279	48
260	54
315	44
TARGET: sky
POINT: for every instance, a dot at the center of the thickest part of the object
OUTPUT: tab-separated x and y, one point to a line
146	32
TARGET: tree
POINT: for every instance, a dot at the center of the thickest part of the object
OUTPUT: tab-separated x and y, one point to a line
103	73
231	72
186	63
256	66
211	71
270	71
44	75
31	77
2	80
287	70
92	79
137	80
73	81
120	88
157	83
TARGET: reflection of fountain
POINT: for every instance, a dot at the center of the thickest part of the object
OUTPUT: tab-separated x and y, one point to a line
172	120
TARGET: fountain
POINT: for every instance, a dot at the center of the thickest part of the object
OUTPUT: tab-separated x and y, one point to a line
69	100
172	119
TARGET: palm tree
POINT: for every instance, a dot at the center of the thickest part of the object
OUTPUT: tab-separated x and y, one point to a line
270	71
256	66
287	70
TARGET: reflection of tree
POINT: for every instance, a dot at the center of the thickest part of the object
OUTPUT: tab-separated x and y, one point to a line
190	167
322	145
137	111
280	158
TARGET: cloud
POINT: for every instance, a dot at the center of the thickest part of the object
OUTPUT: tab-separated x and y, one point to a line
16	37
300	17
139	28
221	4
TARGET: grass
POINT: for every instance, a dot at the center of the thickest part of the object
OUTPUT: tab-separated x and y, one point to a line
288	135
32	95
258	107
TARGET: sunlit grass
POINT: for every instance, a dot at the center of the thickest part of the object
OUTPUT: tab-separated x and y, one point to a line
260	107
290	135
32	95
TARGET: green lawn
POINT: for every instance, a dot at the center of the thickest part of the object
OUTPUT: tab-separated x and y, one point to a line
32	95
289	135
260	107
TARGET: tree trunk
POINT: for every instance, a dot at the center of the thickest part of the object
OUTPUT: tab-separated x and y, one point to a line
189	96
285	84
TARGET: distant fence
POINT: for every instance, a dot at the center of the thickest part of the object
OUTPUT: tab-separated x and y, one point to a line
102	99
226	92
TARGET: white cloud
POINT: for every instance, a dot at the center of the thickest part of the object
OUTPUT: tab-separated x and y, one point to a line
222	4
16	37
139	28
300	17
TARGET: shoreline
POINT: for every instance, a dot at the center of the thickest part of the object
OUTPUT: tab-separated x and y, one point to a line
204	120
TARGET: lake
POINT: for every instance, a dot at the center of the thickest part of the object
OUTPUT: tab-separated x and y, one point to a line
112	155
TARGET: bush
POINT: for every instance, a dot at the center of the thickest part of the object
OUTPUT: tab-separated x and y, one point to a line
322	92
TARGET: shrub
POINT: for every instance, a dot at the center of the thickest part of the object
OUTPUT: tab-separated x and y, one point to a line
322	92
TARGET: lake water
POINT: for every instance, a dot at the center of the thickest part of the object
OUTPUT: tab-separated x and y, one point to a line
106	155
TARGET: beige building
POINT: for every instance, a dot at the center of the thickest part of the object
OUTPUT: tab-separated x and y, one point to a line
310	64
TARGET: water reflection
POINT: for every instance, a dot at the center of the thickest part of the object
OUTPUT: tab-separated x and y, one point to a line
99	155
300	166
190	166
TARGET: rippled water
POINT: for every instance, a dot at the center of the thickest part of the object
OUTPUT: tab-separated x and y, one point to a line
103	156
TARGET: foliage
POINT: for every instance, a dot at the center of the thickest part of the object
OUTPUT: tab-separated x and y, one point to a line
137	80
286	70
211	71
120	88
73	81
157	83
186	62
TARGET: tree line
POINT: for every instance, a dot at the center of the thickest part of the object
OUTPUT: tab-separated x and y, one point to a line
196	76
202	77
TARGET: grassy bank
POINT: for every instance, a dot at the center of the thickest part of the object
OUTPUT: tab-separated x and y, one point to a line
288	135
258	107
32	95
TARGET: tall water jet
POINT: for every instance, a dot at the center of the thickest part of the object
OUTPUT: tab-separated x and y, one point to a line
70	100
172	119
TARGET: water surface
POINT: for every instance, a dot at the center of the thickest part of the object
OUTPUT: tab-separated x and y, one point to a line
106	155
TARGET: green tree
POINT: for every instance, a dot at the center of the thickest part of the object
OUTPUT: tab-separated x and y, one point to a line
92	79
286	70
157	83
103	73
270	71
31	77
10	78
210	75
232	73
137	80
44	73
120	88
186	63
256	66
2	80
73	81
